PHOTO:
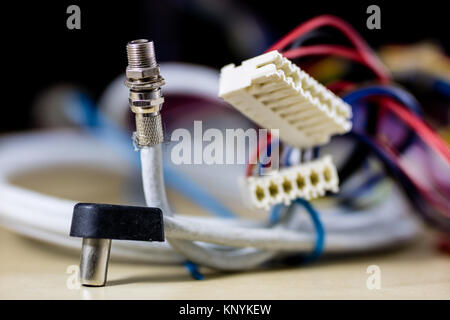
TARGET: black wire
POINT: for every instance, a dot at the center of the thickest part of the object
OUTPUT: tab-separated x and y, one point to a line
360	152
430	215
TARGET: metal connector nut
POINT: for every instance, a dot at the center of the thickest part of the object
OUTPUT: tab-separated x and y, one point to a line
142	73
145	81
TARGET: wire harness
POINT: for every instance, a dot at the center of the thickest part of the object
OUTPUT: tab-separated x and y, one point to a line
275	93
308	181
237	244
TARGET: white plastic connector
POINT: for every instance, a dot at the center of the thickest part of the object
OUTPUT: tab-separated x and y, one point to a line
276	94
308	180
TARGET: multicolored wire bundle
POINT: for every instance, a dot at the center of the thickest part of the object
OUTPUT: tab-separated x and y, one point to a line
380	99
389	126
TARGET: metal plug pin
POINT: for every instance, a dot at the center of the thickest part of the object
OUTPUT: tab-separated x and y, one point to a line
94	261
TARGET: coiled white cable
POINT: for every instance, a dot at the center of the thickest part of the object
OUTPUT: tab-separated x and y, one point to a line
269	241
154	190
224	244
48	218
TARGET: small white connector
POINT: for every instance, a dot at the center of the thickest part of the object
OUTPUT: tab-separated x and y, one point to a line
276	94
308	180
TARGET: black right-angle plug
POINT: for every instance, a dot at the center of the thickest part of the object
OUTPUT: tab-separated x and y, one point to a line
98	224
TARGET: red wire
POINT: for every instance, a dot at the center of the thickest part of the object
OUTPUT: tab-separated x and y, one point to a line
429	196
263	143
334	50
420	127
324	50
366	56
363	55
444	243
341	85
332	21
317	22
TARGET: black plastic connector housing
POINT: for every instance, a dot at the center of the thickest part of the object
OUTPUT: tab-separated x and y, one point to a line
107	221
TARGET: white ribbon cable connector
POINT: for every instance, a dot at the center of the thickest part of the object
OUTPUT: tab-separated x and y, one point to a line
275	93
307	180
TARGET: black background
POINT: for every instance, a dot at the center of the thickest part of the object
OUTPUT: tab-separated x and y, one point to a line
39	50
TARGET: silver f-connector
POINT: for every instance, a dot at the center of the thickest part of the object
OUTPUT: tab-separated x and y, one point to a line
146	100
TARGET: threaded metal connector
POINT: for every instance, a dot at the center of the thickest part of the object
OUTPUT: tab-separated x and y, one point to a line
141	54
146	100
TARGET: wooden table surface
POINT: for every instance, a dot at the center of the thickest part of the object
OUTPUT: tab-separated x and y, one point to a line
30	269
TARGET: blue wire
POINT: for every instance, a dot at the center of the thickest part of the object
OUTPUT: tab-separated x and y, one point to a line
320	231
362	189
287	156
318	226
397	93
271	146
442	87
316	152
285	160
385	90
193	270
274	215
427	212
